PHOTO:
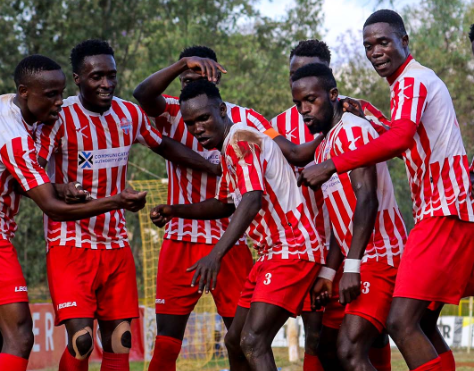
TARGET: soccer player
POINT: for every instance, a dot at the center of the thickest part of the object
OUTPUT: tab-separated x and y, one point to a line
187	241
291	125
91	271
40	83
259	188
365	218
426	133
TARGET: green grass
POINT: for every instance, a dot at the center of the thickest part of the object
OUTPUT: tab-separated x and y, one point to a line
464	361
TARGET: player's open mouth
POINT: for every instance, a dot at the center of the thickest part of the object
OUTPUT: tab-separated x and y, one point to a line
105	95
204	141
54	114
308	120
381	66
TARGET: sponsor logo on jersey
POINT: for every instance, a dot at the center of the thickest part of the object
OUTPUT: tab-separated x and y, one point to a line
67	305
125	125
160	301
21	289
86	160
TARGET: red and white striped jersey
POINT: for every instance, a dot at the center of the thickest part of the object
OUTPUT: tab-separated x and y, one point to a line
283	228
290	124
93	150
437	164
389	235
18	163
187	186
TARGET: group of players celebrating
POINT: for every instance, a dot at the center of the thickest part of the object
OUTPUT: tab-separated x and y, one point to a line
310	189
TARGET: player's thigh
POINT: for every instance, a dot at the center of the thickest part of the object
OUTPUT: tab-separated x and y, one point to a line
117	297
357	333
174	294
72	275
235	269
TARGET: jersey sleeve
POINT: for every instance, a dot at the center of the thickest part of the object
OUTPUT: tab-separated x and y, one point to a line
245	158
147	135
48	138
376	118
223	192
352	137
170	116
408	104
20	159
257	121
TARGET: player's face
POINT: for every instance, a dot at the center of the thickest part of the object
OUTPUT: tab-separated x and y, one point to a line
204	119
44	96
297	62
314	103
189	76
97	80
384	48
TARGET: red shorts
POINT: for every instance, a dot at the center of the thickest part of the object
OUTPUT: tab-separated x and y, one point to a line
12	282
377	284
437	261
174	294
284	283
86	283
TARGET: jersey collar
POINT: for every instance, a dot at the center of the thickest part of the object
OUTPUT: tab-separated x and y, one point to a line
393	77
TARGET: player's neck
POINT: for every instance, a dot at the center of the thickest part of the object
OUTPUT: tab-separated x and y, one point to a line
92	107
29	118
338	112
227	126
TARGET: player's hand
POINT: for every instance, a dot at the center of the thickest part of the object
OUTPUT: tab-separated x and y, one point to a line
353	106
321	293
131	200
207	268
160	215
74	193
349	287
205	67
216	169
314	176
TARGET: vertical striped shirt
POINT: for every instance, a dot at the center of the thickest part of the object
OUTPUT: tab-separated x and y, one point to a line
92	149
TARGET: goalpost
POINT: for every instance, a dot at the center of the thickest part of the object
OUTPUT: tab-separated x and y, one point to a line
204	338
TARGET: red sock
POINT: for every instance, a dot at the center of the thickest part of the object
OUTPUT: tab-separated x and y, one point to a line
381	357
69	363
115	362
12	363
165	354
447	361
433	365
311	363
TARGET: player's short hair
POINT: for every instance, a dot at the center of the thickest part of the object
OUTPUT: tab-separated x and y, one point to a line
312	48
32	65
197	88
198	51
471	33
88	48
319	70
390	17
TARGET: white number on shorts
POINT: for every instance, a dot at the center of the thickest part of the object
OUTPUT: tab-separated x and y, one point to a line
365	287
268	279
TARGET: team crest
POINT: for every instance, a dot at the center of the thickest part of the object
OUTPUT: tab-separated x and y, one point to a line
125	125
86	160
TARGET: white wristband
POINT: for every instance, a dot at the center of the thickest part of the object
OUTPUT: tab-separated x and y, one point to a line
327	273
352	266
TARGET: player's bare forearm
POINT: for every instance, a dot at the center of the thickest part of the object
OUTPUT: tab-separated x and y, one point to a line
179	154
46	198
244	215
335	256
205	210
149	92
364	184
298	155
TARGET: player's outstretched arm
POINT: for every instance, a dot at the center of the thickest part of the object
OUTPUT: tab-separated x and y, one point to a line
364	184
298	155
149	92
205	210
47	199
207	268
179	154
323	286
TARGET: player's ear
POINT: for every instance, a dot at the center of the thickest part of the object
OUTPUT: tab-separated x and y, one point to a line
405	41
223	109
75	76
334	94
23	91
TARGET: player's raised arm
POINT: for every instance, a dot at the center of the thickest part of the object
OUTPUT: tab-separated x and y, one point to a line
149	92
364	184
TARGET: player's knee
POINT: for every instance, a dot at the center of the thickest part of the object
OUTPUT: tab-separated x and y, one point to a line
396	326
252	344
83	343
311	343
121	340
232	341
19	336
347	353
25	341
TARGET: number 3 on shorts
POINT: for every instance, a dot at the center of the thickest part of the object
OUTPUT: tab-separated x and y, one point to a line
268	279
365	287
